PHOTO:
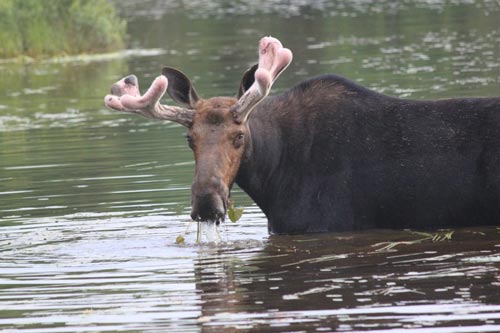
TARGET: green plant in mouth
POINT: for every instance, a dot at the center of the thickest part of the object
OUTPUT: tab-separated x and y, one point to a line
233	213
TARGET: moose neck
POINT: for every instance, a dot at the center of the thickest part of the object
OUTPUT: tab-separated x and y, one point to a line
290	163
258	174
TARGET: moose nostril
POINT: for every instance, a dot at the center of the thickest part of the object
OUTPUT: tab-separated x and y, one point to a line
195	216
131	79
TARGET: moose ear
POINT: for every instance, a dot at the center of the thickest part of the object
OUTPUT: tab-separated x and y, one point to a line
247	80
180	87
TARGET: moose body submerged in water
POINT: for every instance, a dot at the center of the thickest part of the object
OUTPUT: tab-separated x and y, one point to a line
330	155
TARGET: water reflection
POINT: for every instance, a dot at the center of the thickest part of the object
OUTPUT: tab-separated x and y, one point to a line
352	286
89	272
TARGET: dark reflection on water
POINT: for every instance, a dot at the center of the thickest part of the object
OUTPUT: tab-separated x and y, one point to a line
341	282
91	201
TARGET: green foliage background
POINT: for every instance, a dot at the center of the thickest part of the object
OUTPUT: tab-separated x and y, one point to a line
35	28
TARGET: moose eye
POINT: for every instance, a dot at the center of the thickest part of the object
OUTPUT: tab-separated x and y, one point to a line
239	139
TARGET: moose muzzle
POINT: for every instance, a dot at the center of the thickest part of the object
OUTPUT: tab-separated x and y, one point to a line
209	201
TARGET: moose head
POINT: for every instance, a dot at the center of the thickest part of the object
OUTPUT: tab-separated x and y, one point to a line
218	131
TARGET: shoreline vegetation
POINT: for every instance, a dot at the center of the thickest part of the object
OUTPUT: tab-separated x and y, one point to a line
38	29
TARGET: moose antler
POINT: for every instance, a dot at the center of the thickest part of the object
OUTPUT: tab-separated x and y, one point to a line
273	59
125	96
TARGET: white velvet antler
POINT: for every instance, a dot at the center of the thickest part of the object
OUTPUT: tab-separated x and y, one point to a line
125	96
273	59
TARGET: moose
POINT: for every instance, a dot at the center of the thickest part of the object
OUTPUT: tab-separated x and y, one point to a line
329	154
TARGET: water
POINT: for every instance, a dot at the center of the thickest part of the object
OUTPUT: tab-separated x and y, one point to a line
91	200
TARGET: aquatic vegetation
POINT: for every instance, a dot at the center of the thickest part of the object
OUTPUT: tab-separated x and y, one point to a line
233	213
179	239
35	28
438	236
211	233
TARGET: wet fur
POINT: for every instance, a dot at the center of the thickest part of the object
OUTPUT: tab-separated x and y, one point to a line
330	155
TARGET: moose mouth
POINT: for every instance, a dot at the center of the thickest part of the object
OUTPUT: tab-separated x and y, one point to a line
209	210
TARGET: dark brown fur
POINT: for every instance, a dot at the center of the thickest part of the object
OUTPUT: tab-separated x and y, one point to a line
214	139
330	155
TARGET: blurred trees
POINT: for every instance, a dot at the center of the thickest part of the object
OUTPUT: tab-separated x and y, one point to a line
35	28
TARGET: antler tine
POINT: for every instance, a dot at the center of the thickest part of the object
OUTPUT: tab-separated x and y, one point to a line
273	60
125	96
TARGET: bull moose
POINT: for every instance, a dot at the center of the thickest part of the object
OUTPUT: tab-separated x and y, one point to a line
329	154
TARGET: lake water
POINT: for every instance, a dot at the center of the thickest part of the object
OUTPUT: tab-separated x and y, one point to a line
91	200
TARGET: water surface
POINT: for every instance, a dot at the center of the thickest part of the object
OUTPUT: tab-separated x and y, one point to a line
91	200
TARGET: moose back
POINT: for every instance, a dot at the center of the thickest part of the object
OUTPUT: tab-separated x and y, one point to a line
331	155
